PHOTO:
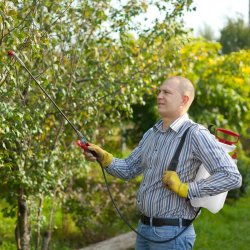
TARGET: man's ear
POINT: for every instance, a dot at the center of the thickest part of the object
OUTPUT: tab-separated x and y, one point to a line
185	99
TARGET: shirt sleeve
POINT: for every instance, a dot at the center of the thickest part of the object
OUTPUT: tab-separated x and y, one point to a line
129	167
223	171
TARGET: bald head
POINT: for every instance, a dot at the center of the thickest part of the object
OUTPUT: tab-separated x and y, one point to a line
175	96
184	87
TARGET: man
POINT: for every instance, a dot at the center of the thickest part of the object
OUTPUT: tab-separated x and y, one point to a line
163	196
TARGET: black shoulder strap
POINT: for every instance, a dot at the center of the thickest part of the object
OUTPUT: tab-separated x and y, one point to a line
174	162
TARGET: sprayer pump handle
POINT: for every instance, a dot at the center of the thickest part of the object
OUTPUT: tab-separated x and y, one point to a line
228	132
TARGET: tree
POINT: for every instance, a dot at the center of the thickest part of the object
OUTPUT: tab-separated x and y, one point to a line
207	32
221	82
84	56
235	36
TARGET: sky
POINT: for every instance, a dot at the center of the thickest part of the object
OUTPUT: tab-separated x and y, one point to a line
214	13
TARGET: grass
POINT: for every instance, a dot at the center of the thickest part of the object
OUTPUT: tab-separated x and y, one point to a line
228	229
7	240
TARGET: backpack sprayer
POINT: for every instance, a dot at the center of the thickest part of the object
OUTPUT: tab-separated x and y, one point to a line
213	203
227	140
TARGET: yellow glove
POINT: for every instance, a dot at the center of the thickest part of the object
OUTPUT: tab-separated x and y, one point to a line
103	156
172	181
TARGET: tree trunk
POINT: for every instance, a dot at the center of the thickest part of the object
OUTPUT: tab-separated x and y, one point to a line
22	229
48	233
46	240
39	212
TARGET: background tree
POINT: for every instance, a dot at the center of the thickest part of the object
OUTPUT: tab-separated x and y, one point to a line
207	32
235	36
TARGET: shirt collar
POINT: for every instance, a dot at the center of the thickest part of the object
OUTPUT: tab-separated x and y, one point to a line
175	125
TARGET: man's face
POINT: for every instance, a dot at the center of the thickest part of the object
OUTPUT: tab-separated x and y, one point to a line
169	100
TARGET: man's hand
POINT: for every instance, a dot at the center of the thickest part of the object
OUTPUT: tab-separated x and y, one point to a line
103	156
172	181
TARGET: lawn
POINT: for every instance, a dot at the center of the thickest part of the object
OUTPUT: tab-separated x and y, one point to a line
228	229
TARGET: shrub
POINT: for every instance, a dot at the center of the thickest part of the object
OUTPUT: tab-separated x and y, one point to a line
92	210
243	166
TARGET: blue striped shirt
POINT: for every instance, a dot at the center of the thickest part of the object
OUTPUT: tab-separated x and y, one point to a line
152	156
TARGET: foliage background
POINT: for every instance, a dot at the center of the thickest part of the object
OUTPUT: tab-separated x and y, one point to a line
103	70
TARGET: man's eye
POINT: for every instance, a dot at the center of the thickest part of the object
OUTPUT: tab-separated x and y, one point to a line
164	92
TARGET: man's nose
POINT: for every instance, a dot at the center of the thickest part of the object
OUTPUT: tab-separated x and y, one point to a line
159	95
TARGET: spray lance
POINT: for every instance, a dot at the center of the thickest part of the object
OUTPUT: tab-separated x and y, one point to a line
83	143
